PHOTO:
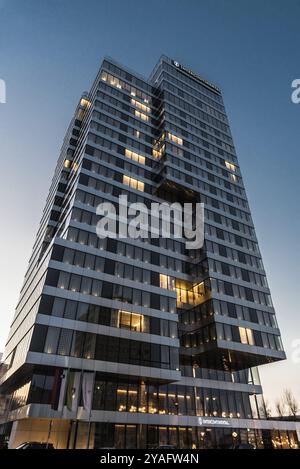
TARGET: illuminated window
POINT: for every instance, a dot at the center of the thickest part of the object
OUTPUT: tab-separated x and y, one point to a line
175	139
134	156
191	294
141	116
75	167
158	152
230	166
140	105
131	321
233	177
134	183
246	335
80	114
67	163
114	81
165	281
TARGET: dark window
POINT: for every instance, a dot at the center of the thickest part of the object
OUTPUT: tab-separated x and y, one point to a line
58	307
120	163
235	225
122	138
82	312
219	233
107	290
238	240
109	267
57	252
111	245
101	346
235	334
70	309
154	258
89	150
242	257
257	338
232	210
78	344
155	278
249	294
155	354
217	218
215	203
253	315
225	269
154	326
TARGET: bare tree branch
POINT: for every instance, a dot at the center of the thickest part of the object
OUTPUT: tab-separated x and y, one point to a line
268	409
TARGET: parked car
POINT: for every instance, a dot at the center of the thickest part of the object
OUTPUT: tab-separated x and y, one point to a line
35	445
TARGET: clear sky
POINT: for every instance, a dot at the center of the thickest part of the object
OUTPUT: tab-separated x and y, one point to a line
49	53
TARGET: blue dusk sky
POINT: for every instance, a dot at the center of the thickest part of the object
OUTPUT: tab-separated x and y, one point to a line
50	52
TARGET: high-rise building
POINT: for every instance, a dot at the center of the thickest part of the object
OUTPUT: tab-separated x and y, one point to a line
140	343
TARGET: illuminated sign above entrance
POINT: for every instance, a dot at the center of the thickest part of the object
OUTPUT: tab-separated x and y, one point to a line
196	77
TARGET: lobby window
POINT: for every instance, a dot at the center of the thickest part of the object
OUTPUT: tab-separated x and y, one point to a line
175	139
131	321
230	166
142	107
134	156
141	116
246	336
165	281
134	183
